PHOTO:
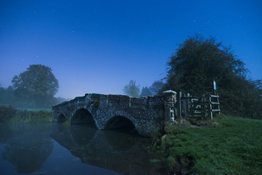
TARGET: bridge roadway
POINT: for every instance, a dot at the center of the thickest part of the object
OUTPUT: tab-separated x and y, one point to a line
115	111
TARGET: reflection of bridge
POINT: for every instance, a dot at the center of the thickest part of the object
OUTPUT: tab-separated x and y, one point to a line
111	150
114	111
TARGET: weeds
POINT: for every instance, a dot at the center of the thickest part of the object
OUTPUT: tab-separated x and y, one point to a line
12	115
6	113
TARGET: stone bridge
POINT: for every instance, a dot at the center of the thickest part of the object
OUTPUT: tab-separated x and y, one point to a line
114	111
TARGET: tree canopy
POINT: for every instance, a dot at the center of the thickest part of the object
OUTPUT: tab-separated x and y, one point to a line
156	87
37	85
6	95
198	61
145	92
132	89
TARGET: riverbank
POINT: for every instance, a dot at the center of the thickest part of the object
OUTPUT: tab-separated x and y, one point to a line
231	145
9	114
228	145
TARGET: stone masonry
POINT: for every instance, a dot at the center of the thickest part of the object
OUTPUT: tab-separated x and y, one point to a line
145	113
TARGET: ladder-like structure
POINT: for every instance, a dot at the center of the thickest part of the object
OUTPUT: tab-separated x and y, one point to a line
214	105
191	106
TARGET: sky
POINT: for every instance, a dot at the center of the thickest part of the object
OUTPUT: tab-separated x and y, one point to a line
98	46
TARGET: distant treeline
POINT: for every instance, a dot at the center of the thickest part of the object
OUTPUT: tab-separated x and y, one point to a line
7	97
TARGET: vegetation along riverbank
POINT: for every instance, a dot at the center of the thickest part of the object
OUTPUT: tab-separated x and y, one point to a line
229	145
9	114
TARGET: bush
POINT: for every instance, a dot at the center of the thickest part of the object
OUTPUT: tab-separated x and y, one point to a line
28	116
6	113
12	115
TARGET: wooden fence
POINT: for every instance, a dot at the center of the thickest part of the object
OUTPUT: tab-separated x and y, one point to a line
205	106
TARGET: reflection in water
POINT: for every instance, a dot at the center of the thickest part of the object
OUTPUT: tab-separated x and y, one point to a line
108	149
72	149
5	133
82	134
28	148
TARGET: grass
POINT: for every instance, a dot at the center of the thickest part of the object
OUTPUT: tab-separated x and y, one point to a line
232	147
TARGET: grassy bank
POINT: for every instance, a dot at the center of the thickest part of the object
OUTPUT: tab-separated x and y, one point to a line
232	147
8	114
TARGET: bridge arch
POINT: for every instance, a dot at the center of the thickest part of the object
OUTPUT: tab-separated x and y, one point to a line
61	118
121	122
82	116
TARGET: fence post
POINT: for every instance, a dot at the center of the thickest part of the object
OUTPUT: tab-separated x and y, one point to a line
203	107
210	108
187	109
184	105
179	107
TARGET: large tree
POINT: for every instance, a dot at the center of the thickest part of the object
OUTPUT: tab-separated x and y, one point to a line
198	62
132	89
37	85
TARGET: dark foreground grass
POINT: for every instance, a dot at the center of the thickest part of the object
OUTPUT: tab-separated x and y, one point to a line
232	147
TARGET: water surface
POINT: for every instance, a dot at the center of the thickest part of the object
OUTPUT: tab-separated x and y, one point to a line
76	149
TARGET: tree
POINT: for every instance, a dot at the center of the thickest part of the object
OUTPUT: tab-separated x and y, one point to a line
37	85
145	92
6	95
157	87
132	89
198	61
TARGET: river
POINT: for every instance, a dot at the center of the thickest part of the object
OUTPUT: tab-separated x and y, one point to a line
73	149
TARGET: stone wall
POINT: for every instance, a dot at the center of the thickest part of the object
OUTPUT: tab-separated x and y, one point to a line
145	113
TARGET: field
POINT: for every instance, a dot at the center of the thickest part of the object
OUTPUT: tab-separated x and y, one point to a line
233	146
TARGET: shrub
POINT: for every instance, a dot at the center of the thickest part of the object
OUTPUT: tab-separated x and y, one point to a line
6	113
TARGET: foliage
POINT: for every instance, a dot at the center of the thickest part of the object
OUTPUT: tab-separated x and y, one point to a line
199	61
132	89
156	87
12	115
6	95
6	113
145	92
37	86
30	116
59	100
233	147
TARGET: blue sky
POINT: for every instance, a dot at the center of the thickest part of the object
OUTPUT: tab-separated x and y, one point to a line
98	46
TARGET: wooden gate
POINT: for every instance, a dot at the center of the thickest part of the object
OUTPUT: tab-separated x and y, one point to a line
205	106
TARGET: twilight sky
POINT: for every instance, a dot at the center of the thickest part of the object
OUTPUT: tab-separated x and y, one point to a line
97	46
